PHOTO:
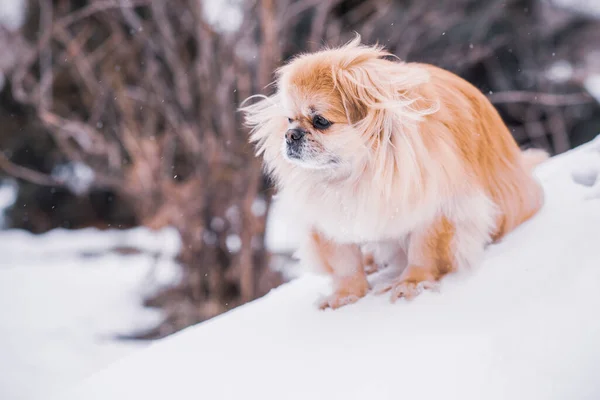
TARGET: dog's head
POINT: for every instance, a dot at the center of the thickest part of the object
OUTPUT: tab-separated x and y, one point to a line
335	110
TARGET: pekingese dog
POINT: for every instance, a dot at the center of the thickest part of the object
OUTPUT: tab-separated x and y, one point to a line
375	150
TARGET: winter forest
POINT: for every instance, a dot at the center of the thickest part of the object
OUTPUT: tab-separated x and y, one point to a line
133	207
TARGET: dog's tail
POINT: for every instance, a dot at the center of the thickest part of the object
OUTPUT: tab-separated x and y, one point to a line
531	158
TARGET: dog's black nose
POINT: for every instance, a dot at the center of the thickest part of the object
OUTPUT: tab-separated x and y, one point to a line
293	135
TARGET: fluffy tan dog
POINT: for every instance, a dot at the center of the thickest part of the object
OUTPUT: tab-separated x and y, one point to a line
374	150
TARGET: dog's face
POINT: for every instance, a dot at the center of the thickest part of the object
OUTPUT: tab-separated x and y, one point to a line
305	142
335	111
319	133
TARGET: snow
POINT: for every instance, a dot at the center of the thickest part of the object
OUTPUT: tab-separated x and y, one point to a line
560	71
64	297
591	8
77	176
233	243
592	85
16	244
522	326
12	13
226	16
8	196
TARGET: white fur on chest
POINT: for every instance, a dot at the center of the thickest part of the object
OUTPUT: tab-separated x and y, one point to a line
347	216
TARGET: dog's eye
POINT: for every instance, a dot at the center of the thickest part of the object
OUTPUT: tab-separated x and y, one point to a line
290	120
320	123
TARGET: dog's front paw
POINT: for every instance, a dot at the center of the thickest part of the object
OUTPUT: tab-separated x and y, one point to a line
409	289
337	300
347	290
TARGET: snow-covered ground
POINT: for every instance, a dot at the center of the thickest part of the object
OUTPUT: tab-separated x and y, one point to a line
523	321
522	326
64	296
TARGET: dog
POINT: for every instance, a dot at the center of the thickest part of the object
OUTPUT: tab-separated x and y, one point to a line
371	149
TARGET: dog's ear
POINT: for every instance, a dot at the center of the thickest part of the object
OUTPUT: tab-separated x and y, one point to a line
379	95
354	107
357	81
379	84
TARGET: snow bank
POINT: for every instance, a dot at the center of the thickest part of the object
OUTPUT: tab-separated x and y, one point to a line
61	308
18	244
523	326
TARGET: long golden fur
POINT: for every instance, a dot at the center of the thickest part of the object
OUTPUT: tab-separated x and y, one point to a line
376	150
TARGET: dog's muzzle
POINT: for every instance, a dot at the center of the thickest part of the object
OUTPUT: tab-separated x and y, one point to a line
294	138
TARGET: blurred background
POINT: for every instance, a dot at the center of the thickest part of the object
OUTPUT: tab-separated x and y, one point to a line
131	205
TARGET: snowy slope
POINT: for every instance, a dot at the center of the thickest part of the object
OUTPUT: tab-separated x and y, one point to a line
64	298
525	325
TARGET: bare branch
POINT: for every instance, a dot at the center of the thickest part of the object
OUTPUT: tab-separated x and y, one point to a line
27	174
96	7
45	59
